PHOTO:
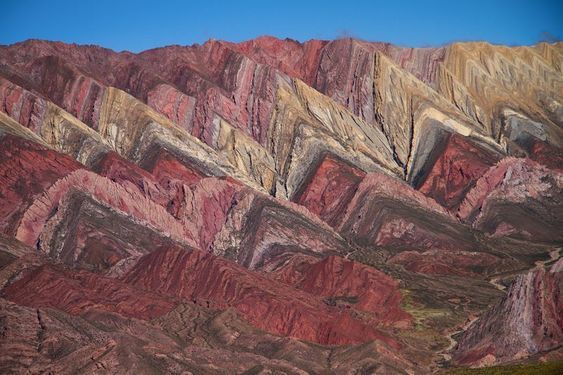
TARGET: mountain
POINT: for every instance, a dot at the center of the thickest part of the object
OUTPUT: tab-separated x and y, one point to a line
280	207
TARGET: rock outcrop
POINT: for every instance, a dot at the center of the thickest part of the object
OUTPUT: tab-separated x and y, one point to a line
274	206
497	203
204	278
527	321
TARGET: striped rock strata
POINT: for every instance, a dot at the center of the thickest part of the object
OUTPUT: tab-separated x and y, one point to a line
275	206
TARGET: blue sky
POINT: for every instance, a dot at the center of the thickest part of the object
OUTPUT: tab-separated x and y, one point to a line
139	25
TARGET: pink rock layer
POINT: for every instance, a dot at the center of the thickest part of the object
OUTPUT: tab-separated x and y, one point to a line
173	104
130	202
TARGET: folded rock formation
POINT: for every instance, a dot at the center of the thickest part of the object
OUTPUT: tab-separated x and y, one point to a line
525	322
279	207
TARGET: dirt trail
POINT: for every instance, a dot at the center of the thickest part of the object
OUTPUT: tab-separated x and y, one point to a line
553	256
445	353
496	284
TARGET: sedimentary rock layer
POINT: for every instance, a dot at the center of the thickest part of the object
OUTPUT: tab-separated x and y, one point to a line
527	321
274	206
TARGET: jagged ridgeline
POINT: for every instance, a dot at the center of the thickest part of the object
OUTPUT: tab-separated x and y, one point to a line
280	207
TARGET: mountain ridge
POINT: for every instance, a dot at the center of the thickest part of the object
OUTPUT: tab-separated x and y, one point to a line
355	201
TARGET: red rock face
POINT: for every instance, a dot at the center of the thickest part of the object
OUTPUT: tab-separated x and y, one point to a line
42	168
548	155
172	175
250	92
206	206
37	217
375	209
455	171
78	292
182	85
349	283
168	170
201	277
330	189
313	62
126	173
192	85
200	203
349	81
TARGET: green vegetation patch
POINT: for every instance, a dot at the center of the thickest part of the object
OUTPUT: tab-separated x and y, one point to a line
537	368
419	312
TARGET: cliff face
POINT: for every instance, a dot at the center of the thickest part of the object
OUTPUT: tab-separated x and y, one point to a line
330	206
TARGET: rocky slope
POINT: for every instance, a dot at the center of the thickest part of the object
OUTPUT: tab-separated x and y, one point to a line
273	206
526	321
